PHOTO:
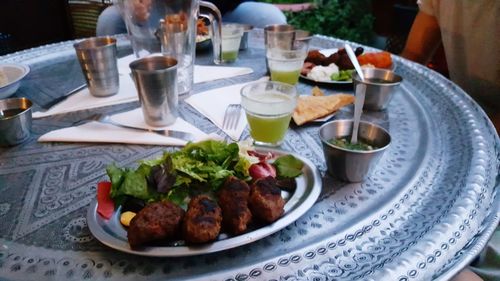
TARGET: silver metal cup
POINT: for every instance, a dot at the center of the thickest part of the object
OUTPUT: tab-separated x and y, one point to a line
352	165
279	35
15	121
381	86
97	57
156	82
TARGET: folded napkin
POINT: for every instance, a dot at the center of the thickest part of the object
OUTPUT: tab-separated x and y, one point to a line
202	73
107	133
84	100
128	93
213	103
205	73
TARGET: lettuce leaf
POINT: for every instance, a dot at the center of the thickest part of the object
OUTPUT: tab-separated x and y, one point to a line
287	166
130	182
202	165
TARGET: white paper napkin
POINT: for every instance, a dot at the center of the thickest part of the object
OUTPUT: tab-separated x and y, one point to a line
128	93
201	73
84	100
205	73
213	103
107	133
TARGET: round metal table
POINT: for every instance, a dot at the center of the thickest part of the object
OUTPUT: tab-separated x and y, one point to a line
424	213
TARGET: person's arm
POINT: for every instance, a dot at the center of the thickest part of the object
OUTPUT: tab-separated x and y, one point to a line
423	40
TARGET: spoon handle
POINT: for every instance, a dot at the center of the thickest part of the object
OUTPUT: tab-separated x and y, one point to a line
354	61
358	108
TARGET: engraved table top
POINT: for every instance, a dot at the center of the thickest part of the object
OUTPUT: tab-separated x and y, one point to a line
426	210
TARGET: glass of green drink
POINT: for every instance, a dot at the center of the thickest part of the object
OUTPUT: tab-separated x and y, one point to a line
268	106
285	64
231	38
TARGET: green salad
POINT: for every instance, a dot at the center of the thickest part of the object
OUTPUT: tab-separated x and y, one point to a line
200	167
342	75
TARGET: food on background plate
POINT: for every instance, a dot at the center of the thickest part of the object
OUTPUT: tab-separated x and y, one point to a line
338	67
316	92
378	60
310	108
211	180
201	31
339	58
3	78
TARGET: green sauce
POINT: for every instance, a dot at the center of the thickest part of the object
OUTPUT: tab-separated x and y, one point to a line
345	143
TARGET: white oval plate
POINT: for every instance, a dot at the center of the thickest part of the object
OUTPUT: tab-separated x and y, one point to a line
112	234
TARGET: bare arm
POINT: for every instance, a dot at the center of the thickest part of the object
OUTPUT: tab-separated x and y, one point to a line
423	40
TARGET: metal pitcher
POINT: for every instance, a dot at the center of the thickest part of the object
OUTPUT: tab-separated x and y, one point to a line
168	27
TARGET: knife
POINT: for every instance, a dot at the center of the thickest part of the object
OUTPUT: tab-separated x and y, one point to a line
55	101
163	132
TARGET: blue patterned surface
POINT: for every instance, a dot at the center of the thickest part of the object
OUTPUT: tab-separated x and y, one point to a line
424	212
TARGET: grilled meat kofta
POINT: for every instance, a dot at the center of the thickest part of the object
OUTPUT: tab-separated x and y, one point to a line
202	222
265	200
156	221
233	199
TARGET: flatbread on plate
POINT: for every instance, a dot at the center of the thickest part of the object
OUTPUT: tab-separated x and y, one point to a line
312	107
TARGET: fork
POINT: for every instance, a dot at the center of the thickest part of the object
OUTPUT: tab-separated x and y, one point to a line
102	118
231	117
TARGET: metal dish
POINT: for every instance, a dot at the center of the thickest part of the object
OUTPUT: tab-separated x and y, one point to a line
113	234
14	73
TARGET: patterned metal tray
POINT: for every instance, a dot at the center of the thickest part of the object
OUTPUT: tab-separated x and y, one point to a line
426	210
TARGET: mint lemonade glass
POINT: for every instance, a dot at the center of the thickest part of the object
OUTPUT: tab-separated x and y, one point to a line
285	64
231	38
268	106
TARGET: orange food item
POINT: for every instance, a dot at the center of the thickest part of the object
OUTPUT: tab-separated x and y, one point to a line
201	27
379	60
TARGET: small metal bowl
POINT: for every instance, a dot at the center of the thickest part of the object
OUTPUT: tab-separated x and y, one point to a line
352	165
14	74
380	87
15	121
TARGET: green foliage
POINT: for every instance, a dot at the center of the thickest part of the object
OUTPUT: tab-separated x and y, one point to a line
284	1
345	19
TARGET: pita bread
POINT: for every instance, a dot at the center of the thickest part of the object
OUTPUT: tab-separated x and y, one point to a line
316	91
313	107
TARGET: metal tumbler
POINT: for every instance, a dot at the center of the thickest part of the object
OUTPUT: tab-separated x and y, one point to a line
156	82
97	57
15	121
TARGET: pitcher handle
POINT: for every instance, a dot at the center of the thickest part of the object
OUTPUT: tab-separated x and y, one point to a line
212	13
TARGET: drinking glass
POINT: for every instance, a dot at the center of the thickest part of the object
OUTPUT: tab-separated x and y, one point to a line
169	28
231	38
156	82
285	64
268	106
97	58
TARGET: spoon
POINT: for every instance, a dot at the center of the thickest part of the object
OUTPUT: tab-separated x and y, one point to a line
360	94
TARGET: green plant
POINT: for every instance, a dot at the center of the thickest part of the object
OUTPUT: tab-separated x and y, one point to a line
284	1
346	19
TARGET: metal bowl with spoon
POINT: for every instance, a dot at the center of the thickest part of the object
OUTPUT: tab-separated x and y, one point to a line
347	161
